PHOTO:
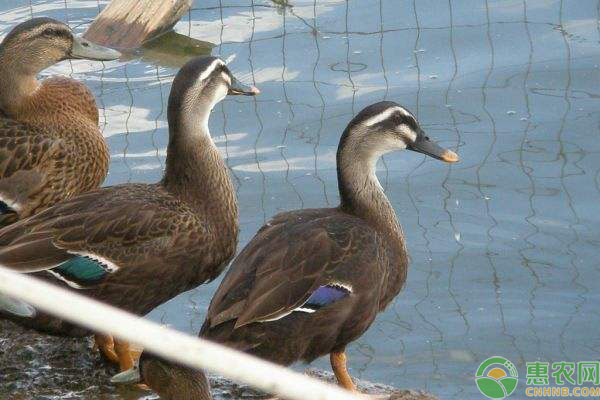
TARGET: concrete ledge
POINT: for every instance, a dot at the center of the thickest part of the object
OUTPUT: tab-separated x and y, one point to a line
34	365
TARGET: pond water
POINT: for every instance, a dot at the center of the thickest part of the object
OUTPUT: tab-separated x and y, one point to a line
503	244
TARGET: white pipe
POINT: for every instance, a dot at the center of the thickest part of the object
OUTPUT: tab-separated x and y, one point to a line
171	344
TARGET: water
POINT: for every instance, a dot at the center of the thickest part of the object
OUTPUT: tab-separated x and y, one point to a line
503	244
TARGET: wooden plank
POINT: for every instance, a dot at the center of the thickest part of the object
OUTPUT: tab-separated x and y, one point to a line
127	24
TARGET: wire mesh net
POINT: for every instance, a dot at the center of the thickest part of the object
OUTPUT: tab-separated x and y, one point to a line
503	244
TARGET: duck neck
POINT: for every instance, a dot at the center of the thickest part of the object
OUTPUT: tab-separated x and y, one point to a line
17	85
361	193
197	174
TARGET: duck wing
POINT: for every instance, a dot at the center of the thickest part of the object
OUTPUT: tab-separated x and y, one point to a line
24	149
84	239
298	261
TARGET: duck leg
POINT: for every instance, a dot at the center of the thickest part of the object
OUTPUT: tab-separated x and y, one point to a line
106	345
125	354
117	351
338	364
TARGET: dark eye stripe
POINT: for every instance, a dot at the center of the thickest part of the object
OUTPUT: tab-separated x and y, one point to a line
412	124
55	32
219	69
408	120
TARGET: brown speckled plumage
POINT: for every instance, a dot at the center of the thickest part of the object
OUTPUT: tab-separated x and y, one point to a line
50	146
163	238
173	381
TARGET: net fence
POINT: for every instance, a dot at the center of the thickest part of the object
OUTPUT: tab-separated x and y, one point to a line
503	244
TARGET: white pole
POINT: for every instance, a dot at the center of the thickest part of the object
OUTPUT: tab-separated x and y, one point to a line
171	344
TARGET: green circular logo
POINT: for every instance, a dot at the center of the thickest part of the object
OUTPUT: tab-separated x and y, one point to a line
497	378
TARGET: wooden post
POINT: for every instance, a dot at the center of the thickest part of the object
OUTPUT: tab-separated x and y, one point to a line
127	24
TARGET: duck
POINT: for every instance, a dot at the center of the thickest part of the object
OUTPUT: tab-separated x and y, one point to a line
171	381
311	281
50	146
133	245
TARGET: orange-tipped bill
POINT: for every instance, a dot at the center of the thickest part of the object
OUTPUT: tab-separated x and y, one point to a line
449	156
432	149
238	88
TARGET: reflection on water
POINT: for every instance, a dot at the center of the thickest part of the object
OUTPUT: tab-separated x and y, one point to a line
172	49
503	244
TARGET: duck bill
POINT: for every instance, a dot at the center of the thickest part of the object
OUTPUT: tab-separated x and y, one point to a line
433	150
238	88
16	307
83	48
132	375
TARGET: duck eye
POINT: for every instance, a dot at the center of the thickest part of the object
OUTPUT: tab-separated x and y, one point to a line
49	32
426	137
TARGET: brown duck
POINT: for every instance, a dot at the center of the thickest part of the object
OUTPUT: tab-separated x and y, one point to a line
136	246
171	381
50	146
311	281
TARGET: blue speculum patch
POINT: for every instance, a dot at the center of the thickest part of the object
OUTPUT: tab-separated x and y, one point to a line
324	296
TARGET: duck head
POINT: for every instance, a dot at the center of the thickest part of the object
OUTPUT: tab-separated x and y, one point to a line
387	126
198	86
168	379
39	43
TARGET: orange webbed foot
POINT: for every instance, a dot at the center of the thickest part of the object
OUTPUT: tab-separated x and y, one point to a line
117	351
